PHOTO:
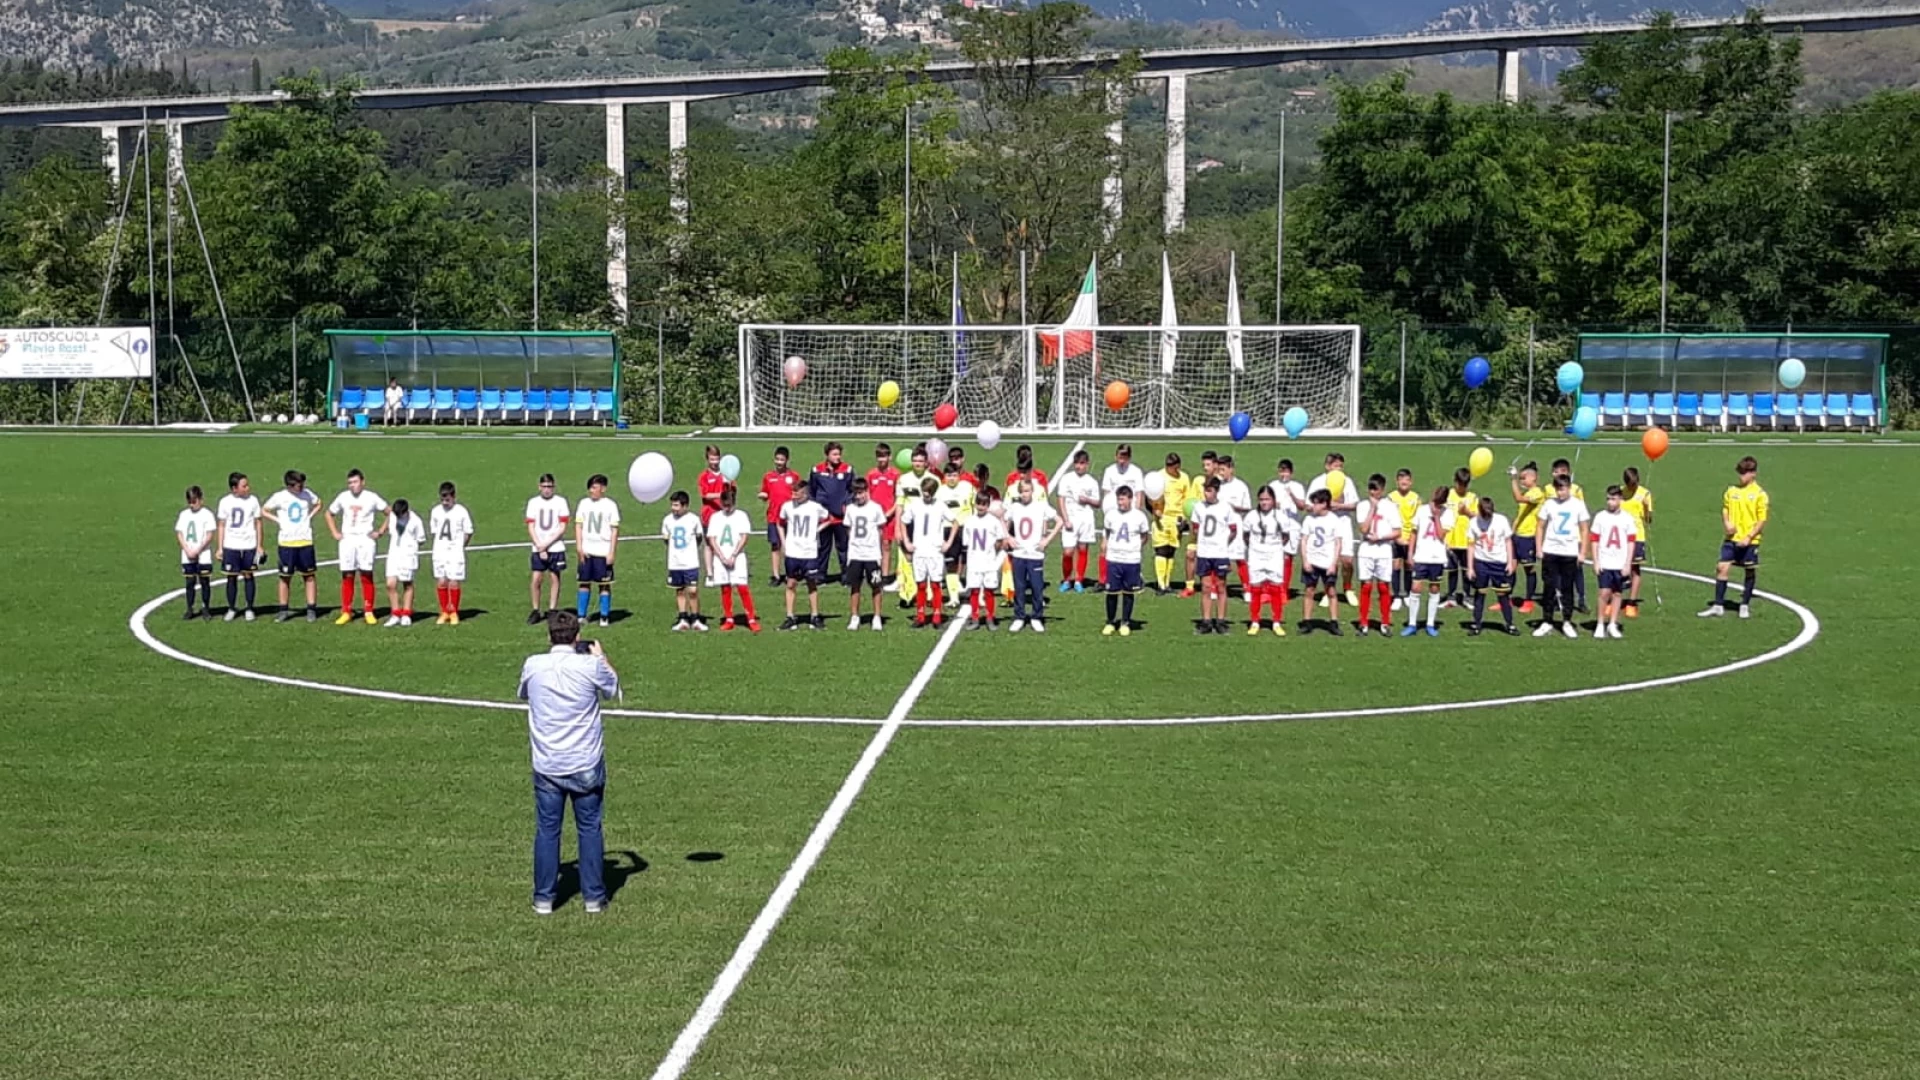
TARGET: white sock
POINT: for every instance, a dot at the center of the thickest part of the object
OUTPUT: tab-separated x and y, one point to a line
1413	609
1433	607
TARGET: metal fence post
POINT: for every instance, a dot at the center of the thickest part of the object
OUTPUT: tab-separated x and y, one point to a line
1666	206
1403	374
1530	341
660	371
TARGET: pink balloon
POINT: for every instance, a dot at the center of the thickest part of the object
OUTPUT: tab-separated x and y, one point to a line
795	369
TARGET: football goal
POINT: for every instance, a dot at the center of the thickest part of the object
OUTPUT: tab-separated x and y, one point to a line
1180	380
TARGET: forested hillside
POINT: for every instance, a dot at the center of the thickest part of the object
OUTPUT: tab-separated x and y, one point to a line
1478	225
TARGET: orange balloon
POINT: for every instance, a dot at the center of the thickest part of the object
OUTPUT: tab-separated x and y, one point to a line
1654	443
1118	393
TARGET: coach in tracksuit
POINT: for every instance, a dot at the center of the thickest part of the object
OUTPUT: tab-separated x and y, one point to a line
832	487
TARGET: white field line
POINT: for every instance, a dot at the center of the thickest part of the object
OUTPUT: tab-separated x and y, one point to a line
715	1003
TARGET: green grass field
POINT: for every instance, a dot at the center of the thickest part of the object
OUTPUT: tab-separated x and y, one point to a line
204	875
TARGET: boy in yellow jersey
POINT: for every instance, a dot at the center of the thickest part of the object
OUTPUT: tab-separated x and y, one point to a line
1169	516
1407	501
1527	497
1744	511
1465	506
1563	467
1637	502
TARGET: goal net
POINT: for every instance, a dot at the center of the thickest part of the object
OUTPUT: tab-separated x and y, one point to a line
1030	378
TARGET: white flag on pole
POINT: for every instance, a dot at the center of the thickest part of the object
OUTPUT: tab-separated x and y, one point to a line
1169	322
1235	356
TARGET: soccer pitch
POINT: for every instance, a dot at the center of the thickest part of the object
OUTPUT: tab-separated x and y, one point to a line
204	873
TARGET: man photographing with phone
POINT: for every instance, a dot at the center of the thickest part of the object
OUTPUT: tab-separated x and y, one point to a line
563	688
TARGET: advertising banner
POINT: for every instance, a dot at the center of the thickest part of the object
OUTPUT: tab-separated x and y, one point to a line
76	352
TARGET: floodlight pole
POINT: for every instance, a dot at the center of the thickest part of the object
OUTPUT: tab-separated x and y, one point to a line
533	121
906	225
1666	205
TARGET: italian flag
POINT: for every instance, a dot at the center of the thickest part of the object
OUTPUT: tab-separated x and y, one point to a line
1074	337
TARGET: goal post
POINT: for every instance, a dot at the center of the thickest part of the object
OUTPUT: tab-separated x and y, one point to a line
1030	379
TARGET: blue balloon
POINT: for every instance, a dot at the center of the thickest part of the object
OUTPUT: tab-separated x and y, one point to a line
1477	372
1792	373
1570	376
1295	421
1238	425
1586	420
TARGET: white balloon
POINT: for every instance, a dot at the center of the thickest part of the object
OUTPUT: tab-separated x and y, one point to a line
650	477
937	455
1155	485
989	435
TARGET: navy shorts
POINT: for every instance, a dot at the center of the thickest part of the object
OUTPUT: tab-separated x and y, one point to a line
1399	552
1746	555
1639	552
773	535
1123	577
196	568
1525	550
596	570
682	579
812	571
545	562
1616	580
296	560
861	572
1488	579
1314	577
1205	568
237	562
1457	558
1429	571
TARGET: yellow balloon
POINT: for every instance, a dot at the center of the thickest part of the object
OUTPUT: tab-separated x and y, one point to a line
1480	462
889	394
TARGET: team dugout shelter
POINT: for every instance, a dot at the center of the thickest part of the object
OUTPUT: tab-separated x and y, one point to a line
1730	382
475	376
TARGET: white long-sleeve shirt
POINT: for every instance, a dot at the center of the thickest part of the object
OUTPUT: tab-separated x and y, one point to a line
563	690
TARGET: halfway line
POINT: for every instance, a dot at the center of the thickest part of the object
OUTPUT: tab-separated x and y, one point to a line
715	1003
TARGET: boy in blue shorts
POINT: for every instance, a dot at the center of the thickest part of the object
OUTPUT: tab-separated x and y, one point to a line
1744	510
193	531
1127	529
1490	563
683	535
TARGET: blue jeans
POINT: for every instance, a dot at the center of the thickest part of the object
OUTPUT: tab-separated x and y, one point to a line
1029	588
550	796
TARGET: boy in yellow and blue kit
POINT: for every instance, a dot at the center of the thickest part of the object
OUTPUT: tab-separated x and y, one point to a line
1744	511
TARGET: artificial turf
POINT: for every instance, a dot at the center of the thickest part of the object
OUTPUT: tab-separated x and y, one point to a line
210	876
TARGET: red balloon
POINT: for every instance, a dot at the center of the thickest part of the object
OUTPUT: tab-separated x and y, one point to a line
945	415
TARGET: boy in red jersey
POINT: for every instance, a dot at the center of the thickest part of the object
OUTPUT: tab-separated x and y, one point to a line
711	484
776	490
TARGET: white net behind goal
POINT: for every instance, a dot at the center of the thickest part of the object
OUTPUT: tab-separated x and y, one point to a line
1016	377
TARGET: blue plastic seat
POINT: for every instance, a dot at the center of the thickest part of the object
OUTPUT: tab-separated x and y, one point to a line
513	403
490	401
1836	407
582	402
603	403
466	401
538	405
419	400
1739	410
1861	407
1786	409
1590	401
352	398
1613	408
1663	410
442	401
1687	407
1640	405
1811	414
1763	410
1713	410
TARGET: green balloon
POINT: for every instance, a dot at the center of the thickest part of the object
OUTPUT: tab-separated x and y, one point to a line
903	458
1192	505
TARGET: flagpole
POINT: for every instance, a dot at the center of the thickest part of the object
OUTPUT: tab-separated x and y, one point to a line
906	226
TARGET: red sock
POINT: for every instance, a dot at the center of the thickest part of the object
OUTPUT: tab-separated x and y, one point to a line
346	593
366	588
920	600
726	601
746	601
1253	602
993	604
1240	568
453	598
939	599
1066	566
1103	565
976	602
1366	600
